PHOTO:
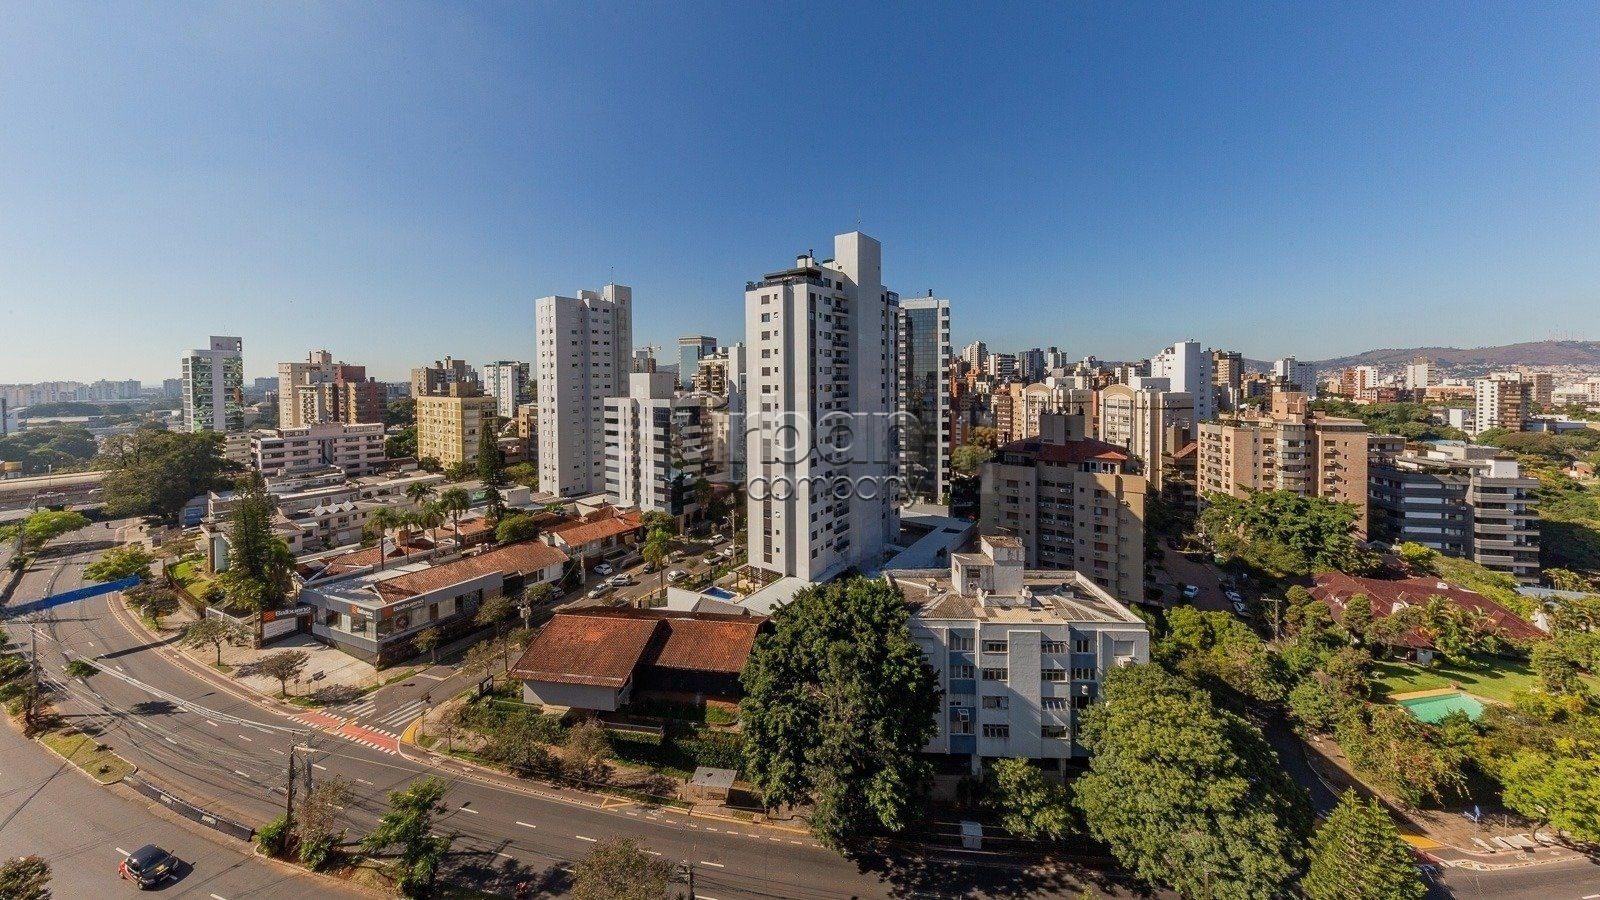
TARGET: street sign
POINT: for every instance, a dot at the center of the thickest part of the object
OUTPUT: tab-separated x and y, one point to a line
486	687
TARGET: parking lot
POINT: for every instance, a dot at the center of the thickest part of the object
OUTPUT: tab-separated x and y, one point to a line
606	585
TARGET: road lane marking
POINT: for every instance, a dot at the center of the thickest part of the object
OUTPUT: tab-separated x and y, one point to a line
589	839
220	897
653	852
364	781
170	741
251	739
241	774
506	855
212	724
121	852
707	862
468	810
279	752
526	825
142	725
319	766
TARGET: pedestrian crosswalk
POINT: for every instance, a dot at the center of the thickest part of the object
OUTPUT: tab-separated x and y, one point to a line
389	720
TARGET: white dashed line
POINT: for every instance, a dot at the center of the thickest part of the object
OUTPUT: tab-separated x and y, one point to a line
469	810
142	725
319	766
241	774
170	741
277	751
526	825
707	862
506	855
363	781
212	724
121	852
589	839
243	738
220	897
653	852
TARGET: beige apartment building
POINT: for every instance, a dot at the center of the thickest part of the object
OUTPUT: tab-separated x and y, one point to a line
449	424
1136	418
1072	504
1286	448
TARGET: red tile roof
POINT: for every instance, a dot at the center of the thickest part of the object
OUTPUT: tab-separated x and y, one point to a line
1335	588
599	528
523	558
603	646
1071	452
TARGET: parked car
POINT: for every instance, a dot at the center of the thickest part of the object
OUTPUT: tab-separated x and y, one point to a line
603	569
677	575
716	538
600	590
620	580
1239	607
1191	591
148	866
1234	597
649	567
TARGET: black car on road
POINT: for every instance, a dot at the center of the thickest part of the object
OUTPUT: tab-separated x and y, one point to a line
148	866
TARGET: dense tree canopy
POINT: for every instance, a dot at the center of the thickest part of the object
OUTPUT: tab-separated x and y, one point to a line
1218	647
1412	421
1284	533
119	563
50	448
1357	854
1031	804
154	472
1187	795
838	702
408	825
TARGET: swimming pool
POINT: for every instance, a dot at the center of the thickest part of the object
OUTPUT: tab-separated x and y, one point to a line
717	593
1433	709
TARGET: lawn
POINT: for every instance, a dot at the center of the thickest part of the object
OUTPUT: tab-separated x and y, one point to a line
87	754
191	574
1496	679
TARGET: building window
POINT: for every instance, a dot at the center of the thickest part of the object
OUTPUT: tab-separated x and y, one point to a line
994	646
1083	645
1054	674
961	643
1082	673
996	702
994	674
1054	702
1054	647
1053	731
998	732
961	671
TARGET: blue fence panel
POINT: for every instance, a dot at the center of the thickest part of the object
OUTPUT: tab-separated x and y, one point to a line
83	593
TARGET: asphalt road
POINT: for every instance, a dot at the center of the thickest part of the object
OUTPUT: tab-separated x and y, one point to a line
646	583
210	745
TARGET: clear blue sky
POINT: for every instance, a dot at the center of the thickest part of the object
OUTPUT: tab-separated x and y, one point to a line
398	181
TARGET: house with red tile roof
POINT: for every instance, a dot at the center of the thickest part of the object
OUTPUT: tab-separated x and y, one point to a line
1387	595
594	533
601	658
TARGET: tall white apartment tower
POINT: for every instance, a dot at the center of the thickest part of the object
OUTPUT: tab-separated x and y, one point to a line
821	451
1188	370
507	382
1296	376
213	386
582	356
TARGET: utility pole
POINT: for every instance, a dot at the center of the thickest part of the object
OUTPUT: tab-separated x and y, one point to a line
288	805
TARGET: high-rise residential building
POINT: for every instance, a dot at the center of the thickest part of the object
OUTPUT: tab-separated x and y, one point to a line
1541	387
1286	448
1294	376
213	386
317	369
583	354
1139	417
1001	366
450	425
976	355
924	367
1030	365
172	388
437	378
1463	500
1500	401
644	362
655	446
321	390
356	449
507	382
691	349
1072	503
1227	378
1019	654
1357	381
720	384
1420	374
821	462
1187	369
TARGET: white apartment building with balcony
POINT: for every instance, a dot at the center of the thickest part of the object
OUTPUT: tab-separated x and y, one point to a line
213	386
354	449
507	382
821	453
583	355
1019	654
655	444
1188	370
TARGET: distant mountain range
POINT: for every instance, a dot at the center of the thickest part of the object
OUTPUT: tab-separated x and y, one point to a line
1582	354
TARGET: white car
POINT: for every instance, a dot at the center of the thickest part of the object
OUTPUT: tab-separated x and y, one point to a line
620	580
1191	591
599	590
677	575
716	538
603	569
1234	597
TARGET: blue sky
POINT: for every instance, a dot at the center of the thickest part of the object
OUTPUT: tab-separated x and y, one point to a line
397	182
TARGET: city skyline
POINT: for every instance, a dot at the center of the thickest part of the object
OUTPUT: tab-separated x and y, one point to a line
1277	182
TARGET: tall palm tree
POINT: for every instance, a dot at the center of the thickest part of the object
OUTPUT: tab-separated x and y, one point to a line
379	523
429	517
455	502
419	492
655	551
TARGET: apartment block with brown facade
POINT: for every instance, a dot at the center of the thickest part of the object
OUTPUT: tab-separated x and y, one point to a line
1071	502
1286	448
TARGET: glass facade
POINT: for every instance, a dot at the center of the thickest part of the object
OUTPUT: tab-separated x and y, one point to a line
924	361
690	351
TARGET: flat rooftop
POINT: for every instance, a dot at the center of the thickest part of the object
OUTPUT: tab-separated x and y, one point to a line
1051	596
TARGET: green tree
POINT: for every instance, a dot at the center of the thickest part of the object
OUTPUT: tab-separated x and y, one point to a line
212	631
1556	668
46	525
419	492
408	825
1284	533
153	472
491	466
617	869
1562	790
1215	647
453	503
427	641
401	412
494	505
1357	854
968	459
316	827
525	474
281	666
1357	618
402	444
517	744
260	564
1031	804
1188	795
119	563
379	523
1398	756
1418	556
655	520
657	547
516	527
838	703
25	878
588	747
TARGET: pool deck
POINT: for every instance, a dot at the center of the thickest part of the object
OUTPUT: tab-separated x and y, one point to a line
1435	692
